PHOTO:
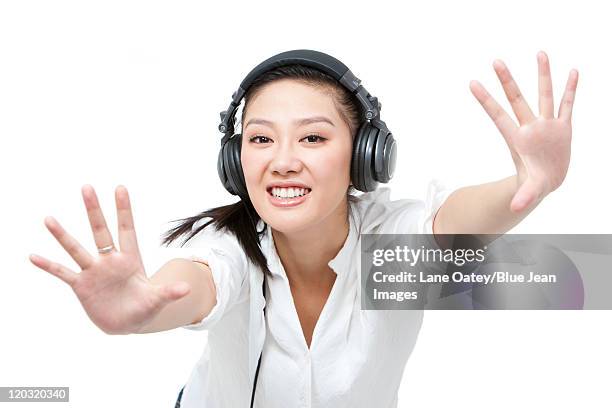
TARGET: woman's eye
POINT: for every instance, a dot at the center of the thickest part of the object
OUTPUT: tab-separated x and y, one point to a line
313	138
262	139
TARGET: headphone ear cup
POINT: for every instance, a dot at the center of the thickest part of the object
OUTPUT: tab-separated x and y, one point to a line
385	157
241	183
229	166
222	169
234	166
362	166
374	157
358	143
368	176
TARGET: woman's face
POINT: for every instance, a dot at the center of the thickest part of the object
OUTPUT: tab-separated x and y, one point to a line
293	135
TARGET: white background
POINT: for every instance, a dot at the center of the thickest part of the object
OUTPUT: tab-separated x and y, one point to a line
128	92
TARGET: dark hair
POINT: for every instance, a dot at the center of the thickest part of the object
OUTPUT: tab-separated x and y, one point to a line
241	218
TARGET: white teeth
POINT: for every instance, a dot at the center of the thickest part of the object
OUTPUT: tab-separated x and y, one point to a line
288	192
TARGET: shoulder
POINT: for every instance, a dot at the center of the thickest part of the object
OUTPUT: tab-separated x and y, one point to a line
378	213
204	231
222	241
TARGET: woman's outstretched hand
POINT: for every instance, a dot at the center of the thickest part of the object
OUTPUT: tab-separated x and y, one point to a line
113	287
540	146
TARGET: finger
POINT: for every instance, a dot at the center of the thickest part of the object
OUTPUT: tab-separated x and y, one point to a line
567	102
502	120
102	235
71	245
526	195
127	233
513	93
56	269
545	86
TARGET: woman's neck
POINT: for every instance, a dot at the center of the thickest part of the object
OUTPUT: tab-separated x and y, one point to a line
305	255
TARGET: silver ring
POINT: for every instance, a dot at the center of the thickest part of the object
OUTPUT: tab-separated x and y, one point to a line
106	249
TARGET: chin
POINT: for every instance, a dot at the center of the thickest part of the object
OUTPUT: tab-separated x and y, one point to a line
286	222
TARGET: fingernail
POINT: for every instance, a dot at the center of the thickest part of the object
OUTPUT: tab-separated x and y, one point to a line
542	56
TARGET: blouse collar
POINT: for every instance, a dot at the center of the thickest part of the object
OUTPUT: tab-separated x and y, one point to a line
338	264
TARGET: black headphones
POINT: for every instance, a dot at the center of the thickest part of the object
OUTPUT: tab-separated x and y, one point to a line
374	149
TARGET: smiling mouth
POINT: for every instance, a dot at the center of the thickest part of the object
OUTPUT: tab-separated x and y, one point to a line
288	193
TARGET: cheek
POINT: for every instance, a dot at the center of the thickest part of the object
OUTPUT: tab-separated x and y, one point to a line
253	169
252	166
333	167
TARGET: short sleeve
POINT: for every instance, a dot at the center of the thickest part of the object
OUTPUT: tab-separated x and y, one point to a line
221	251
436	194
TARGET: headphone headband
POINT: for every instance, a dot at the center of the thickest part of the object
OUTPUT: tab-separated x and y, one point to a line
314	59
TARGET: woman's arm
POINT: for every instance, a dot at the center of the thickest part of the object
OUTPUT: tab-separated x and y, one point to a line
194	306
480	209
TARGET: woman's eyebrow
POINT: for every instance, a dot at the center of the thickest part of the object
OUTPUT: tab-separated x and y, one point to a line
297	122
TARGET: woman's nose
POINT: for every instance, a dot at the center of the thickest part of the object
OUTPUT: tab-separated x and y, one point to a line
285	160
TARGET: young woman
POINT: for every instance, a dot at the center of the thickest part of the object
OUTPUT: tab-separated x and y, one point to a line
298	224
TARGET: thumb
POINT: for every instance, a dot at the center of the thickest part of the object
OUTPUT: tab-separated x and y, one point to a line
173	291
527	193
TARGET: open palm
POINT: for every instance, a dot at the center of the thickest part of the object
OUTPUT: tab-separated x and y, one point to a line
540	146
113	288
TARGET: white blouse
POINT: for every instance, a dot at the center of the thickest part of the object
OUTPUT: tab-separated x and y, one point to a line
357	357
